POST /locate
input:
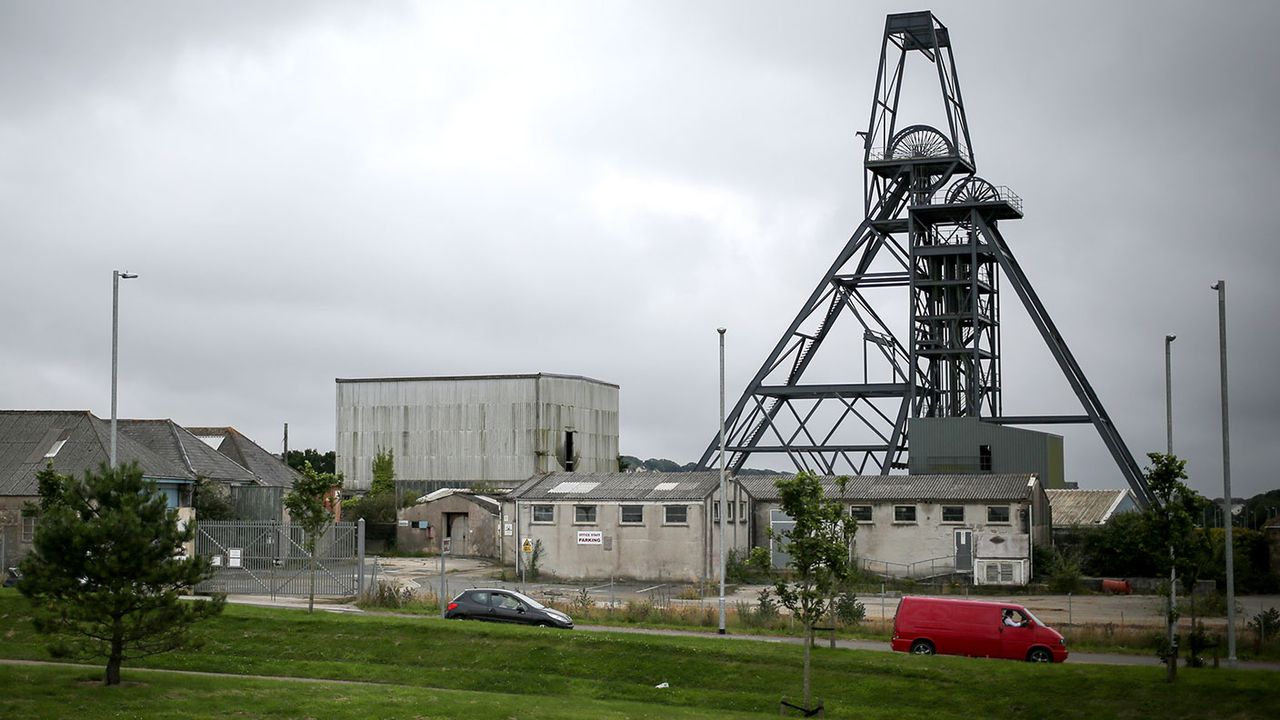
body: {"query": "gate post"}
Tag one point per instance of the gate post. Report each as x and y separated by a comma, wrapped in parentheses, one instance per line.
(360, 558)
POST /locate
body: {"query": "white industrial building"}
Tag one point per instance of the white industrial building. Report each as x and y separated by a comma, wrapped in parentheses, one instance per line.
(463, 430)
(650, 526)
(922, 526)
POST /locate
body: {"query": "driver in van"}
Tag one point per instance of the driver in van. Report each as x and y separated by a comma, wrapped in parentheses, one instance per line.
(1013, 618)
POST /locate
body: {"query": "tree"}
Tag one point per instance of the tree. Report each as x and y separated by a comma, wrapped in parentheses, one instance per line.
(819, 546)
(322, 462)
(107, 568)
(384, 473)
(310, 506)
(1171, 539)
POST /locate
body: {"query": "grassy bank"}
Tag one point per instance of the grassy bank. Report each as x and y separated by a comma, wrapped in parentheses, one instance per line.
(480, 670)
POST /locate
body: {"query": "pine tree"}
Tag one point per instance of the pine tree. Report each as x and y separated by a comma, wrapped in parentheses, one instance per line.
(107, 569)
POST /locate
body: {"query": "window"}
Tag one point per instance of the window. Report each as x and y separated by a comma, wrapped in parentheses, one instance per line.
(715, 511)
(904, 513)
(860, 513)
(742, 511)
(632, 514)
(952, 513)
(505, 602)
(584, 513)
(57, 445)
(729, 505)
(1000, 572)
(998, 513)
(28, 527)
(568, 451)
(675, 514)
(544, 513)
(480, 597)
(984, 458)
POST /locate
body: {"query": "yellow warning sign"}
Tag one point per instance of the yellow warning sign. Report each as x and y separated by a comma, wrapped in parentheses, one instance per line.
(527, 546)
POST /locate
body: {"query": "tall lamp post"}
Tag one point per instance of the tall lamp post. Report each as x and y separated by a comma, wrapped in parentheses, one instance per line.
(724, 504)
(1173, 572)
(116, 277)
(1221, 287)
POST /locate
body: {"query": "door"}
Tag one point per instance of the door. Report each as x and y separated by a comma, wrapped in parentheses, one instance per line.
(456, 530)
(964, 551)
(1017, 634)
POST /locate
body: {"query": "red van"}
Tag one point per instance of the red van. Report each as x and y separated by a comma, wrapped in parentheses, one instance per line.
(926, 625)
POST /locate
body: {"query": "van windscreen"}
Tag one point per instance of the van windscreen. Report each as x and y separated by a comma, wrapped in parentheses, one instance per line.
(1034, 619)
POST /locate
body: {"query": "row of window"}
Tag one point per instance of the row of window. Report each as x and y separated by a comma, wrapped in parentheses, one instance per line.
(950, 513)
(627, 514)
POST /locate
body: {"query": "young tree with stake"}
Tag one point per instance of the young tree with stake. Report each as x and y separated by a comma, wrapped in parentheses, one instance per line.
(819, 546)
(308, 505)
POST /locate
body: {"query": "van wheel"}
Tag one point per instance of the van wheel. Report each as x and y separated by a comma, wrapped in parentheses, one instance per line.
(922, 647)
(1039, 655)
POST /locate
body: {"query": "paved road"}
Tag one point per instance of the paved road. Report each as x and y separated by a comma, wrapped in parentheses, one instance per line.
(1090, 658)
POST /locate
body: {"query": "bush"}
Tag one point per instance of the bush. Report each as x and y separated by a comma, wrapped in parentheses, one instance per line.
(849, 610)
(387, 595)
(1064, 572)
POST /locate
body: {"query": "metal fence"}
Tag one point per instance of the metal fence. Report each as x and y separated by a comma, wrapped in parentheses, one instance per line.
(271, 558)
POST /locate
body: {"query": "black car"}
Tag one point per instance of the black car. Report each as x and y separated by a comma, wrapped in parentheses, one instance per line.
(507, 606)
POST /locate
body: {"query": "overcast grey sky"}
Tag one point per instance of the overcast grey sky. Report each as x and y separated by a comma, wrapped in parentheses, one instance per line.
(321, 190)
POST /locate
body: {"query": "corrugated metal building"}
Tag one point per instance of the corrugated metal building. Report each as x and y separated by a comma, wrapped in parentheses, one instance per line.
(499, 429)
(968, 445)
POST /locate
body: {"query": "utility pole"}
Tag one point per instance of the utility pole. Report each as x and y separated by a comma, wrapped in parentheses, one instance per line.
(724, 498)
(1172, 659)
(1221, 287)
(116, 277)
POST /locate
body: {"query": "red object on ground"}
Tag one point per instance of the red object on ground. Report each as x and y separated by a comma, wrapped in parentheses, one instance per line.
(1118, 587)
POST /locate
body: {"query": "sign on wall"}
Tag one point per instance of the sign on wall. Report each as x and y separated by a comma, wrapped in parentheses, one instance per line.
(590, 537)
(506, 529)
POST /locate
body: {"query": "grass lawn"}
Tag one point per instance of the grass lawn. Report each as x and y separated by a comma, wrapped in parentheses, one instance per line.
(431, 668)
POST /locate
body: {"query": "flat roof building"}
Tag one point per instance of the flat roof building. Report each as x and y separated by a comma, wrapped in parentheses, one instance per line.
(462, 430)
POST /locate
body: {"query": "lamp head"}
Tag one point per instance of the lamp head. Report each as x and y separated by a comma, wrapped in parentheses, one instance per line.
(720, 330)
(1170, 338)
(1216, 286)
(127, 276)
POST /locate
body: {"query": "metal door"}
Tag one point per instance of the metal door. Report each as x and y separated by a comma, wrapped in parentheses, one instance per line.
(964, 550)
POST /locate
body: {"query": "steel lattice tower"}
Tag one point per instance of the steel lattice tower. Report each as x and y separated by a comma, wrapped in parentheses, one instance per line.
(931, 231)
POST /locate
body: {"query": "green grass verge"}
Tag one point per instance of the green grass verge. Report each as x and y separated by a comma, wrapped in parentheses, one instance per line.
(502, 671)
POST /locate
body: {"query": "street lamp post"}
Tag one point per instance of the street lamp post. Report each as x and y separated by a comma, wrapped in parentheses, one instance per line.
(1221, 287)
(724, 507)
(1173, 572)
(116, 277)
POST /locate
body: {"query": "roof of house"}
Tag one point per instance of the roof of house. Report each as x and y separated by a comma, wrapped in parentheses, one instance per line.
(484, 501)
(619, 486)
(1087, 507)
(269, 469)
(75, 442)
(176, 444)
(985, 486)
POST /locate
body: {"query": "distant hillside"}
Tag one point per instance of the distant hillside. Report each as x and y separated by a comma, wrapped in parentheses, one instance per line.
(630, 462)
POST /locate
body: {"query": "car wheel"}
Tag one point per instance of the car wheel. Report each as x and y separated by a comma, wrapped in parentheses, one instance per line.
(1039, 655)
(922, 647)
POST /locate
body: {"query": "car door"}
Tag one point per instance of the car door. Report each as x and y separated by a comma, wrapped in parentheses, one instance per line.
(506, 608)
(1016, 641)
